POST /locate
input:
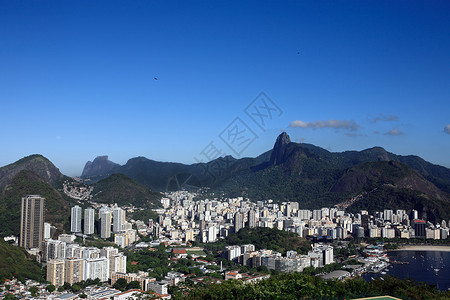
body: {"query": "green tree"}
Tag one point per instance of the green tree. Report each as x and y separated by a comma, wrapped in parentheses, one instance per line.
(75, 287)
(66, 286)
(50, 288)
(121, 284)
(34, 291)
(134, 285)
(9, 297)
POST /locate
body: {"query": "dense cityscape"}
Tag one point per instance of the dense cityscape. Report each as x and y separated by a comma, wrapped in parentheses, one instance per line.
(225, 150)
(183, 221)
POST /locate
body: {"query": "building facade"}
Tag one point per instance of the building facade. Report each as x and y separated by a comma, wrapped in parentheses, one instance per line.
(89, 215)
(32, 222)
(56, 271)
(75, 219)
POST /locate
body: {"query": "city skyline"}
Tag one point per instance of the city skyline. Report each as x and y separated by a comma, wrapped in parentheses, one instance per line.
(163, 80)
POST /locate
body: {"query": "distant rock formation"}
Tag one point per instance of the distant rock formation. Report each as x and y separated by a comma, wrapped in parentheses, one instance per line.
(279, 149)
(100, 166)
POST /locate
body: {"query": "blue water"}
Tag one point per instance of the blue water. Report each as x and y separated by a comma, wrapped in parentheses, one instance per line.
(432, 267)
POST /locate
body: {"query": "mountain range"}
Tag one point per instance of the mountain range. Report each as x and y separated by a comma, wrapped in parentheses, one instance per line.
(372, 179)
(36, 175)
(305, 173)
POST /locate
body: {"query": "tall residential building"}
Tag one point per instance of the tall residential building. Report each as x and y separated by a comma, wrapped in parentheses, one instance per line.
(53, 249)
(117, 263)
(56, 271)
(238, 221)
(419, 228)
(251, 218)
(74, 251)
(32, 222)
(75, 219)
(108, 252)
(317, 214)
(118, 219)
(388, 214)
(105, 222)
(89, 220)
(121, 240)
(96, 268)
(212, 233)
(73, 270)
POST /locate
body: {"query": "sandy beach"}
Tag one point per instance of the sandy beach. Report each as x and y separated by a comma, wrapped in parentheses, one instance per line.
(423, 248)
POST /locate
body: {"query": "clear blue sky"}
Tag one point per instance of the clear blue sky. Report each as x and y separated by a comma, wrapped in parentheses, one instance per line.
(77, 78)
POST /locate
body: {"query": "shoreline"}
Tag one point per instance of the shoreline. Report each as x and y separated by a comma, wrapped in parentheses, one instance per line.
(423, 248)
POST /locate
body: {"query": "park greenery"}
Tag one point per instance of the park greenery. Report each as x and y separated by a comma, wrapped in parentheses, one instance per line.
(155, 261)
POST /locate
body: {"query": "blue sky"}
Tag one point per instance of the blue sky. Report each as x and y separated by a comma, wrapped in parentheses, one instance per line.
(77, 78)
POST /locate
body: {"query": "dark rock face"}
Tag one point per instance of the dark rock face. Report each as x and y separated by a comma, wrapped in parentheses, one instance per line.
(100, 166)
(279, 149)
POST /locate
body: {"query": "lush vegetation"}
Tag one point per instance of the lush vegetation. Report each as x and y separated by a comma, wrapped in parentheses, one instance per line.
(433, 209)
(319, 180)
(144, 215)
(156, 260)
(263, 238)
(122, 285)
(123, 190)
(16, 262)
(307, 286)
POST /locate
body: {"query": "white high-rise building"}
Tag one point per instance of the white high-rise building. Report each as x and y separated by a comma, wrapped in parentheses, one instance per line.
(89, 221)
(47, 228)
(121, 240)
(118, 219)
(75, 219)
(96, 268)
(212, 233)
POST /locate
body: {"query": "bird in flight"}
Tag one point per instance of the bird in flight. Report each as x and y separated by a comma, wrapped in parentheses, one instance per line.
(156, 78)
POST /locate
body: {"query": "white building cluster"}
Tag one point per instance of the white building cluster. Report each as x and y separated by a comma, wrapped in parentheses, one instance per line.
(73, 263)
(246, 255)
(183, 219)
(111, 221)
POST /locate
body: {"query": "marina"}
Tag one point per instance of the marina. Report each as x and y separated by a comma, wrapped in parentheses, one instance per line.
(422, 266)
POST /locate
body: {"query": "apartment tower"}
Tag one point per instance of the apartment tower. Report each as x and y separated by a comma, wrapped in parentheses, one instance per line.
(32, 222)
